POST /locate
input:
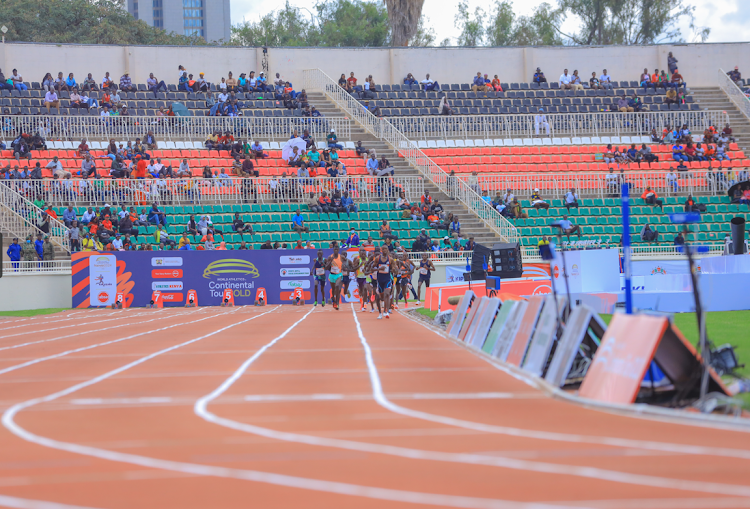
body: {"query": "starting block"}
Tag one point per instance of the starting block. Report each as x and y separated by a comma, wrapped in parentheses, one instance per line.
(227, 299)
(261, 297)
(192, 299)
(156, 300)
(298, 297)
(119, 301)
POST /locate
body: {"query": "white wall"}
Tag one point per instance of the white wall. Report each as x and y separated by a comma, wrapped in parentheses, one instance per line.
(698, 62)
(41, 291)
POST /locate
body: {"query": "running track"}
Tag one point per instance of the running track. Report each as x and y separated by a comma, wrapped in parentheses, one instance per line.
(299, 408)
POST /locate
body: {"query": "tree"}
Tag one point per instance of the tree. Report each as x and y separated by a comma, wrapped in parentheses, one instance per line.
(405, 19)
(472, 29)
(539, 29)
(286, 27)
(424, 36)
(82, 22)
(352, 23)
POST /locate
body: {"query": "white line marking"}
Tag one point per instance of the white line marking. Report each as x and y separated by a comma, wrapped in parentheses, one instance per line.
(77, 324)
(8, 420)
(567, 437)
(119, 401)
(66, 318)
(272, 398)
(25, 503)
(667, 503)
(417, 454)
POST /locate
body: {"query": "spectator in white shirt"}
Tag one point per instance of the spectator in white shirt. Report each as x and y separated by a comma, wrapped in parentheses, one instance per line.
(122, 212)
(57, 168)
(605, 81)
(565, 80)
(541, 120)
(223, 96)
(88, 216)
(184, 169)
(571, 199)
(575, 81)
(17, 80)
(508, 197)
(105, 112)
(51, 101)
(117, 243)
(430, 85)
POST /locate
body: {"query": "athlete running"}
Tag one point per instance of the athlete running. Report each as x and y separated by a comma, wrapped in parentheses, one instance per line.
(403, 280)
(384, 266)
(426, 268)
(335, 265)
(358, 267)
(319, 271)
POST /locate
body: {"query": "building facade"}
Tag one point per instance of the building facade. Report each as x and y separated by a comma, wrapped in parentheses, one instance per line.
(206, 18)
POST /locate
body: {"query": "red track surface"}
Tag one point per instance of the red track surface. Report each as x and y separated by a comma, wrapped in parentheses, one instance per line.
(300, 427)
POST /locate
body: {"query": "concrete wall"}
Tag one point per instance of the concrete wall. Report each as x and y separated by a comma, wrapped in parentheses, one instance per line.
(35, 292)
(698, 62)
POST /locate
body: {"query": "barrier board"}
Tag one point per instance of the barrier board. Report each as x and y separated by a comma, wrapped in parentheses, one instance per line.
(460, 314)
(509, 331)
(484, 322)
(470, 317)
(544, 336)
(517, 350)
(581, 319)
(497, 327)
(481, 306)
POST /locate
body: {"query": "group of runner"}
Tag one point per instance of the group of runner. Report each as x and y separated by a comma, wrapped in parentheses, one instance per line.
(383, 278)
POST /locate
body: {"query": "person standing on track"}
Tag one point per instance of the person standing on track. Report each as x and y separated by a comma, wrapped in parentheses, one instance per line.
(425, 272)
(319, 271)
(384, 266)
(335, 265)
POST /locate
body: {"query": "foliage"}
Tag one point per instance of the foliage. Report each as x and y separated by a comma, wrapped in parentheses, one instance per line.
(472, 28)
(286, 27)
(81, 22)
(424, 35)
(539, 29)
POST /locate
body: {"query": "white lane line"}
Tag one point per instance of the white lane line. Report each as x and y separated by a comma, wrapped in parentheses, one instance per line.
(25, 503)
(8, 420)
(80, 333)
(66, 319)
(667, 503)
(119, 401)
(569, 437)
(476, 459)
(271, 398)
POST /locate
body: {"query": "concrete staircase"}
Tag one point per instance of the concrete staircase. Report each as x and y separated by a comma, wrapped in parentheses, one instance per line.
(713, 98)
(471, 226)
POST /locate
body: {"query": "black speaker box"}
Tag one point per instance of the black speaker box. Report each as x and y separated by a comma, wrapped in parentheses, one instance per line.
(508, 262)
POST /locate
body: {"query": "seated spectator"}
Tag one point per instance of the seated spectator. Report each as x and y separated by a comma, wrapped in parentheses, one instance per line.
(539, 76)
(332, 139)
(496, 84)
(623, 105)
(445, 107)
(565, 80)
(671, 97)
(594, 83)
(256, 150)
(647, 155)
(347, 203)
(126, 85)
(51, 101)
(677, 80)
(651, 198)
(540, 120)
(636, 103)
(736, 76)
(691, 205)
(536, 200)
(409, 80)
(385, 231)
(721, 154)
(646, 80)
(88, 167)
(678, 153)
(727, 133)
(478, 85)
(154, 84)
(516, 210)
(568, 227)
(384, 167)
(107, 83)
(649, 235)
(60, 83)
(606, 80)
(201, 85)
(633, 155)
(571, 199)
(70, 82)
(429, 85)
(575, 81)
(48, 83)
(361, 151)
(157, 216)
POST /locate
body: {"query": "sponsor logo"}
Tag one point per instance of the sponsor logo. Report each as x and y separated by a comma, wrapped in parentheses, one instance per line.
(294, 272)
(291, 285)
(542, 290)
(101, 262)
(659, 270)
(294, 260)
(230, 266)
(169, 261)
(99, 281)
(289, 296)
(172, 297)
(557, 272)
(103, 297)
(166, 273)
(574, 270)
(166, 286)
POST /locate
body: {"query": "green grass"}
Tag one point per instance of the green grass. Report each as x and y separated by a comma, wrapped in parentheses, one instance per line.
(32, 312)
(427, 312)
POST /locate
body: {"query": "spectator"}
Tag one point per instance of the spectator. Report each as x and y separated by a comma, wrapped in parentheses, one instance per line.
(332, 139)
(565, 80)
(51, 101)
(671, 97)
(651, 198)
(48, 83)
(605, 80)
(646, 80)
(69, 215)
(57, 168)
(539, 77)
(649, 235)
(647, 155)
(735, 75)
(201, 85)
(478, 85)
(571, 199)
(157, 216)
(677, 80)
(239, 226)
(372, 165)
(410, 80)
(17, 80)
(445, 107)
(385, 231)
(361, 151)
(678, 153)
(384, 167)
(154, 84)
(107, 83)
(496, 84)
(348, 204)
(298, 223)
(352, 239)
(636, 103)
(568, 227)
(594, 83)
(540, 119)
(429, 85)
(256, 150)
(691, 205)
(671, 63)
(679, 240)
(721, 154)
(516, 210)
(536, 200)
(623, 106)
(88, 167)
(671, 181)
(575, 81)
(126, 85)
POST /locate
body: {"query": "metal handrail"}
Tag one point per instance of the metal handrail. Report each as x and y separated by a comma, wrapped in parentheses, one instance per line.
(21, 217)
(735, 94)
(315, 79)
(36, 268)
(73, 128)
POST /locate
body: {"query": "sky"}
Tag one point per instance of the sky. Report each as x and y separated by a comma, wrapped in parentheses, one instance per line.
(729, 20)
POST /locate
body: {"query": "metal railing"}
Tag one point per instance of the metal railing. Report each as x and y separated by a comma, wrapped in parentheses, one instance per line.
(21, 217)
(561, 124)
(604, 185)
(230, 190)
(735, 94)
(75, 127)
(34, 268)
(315, 79)
(531, 254)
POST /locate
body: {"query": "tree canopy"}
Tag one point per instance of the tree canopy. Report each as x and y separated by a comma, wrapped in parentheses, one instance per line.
(81, 22)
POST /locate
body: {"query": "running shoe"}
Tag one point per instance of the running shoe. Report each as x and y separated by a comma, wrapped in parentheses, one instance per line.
(315, 303)
(406, 304)
(419, 303)
(395, 306)
(372, 310)
(380, 316)
(387, 315)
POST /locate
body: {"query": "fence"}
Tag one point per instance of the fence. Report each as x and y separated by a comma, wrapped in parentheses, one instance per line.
(77, 127)
(567, 124)
(131, 192)
(603, 185)
(735, 94)
(531, 254)
(21, 217)
(315, 79)
(26, 268)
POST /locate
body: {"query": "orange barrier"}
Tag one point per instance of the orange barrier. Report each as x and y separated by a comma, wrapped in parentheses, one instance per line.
(156, 300)
(192, 299)
(227, 297)
(261, 297)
